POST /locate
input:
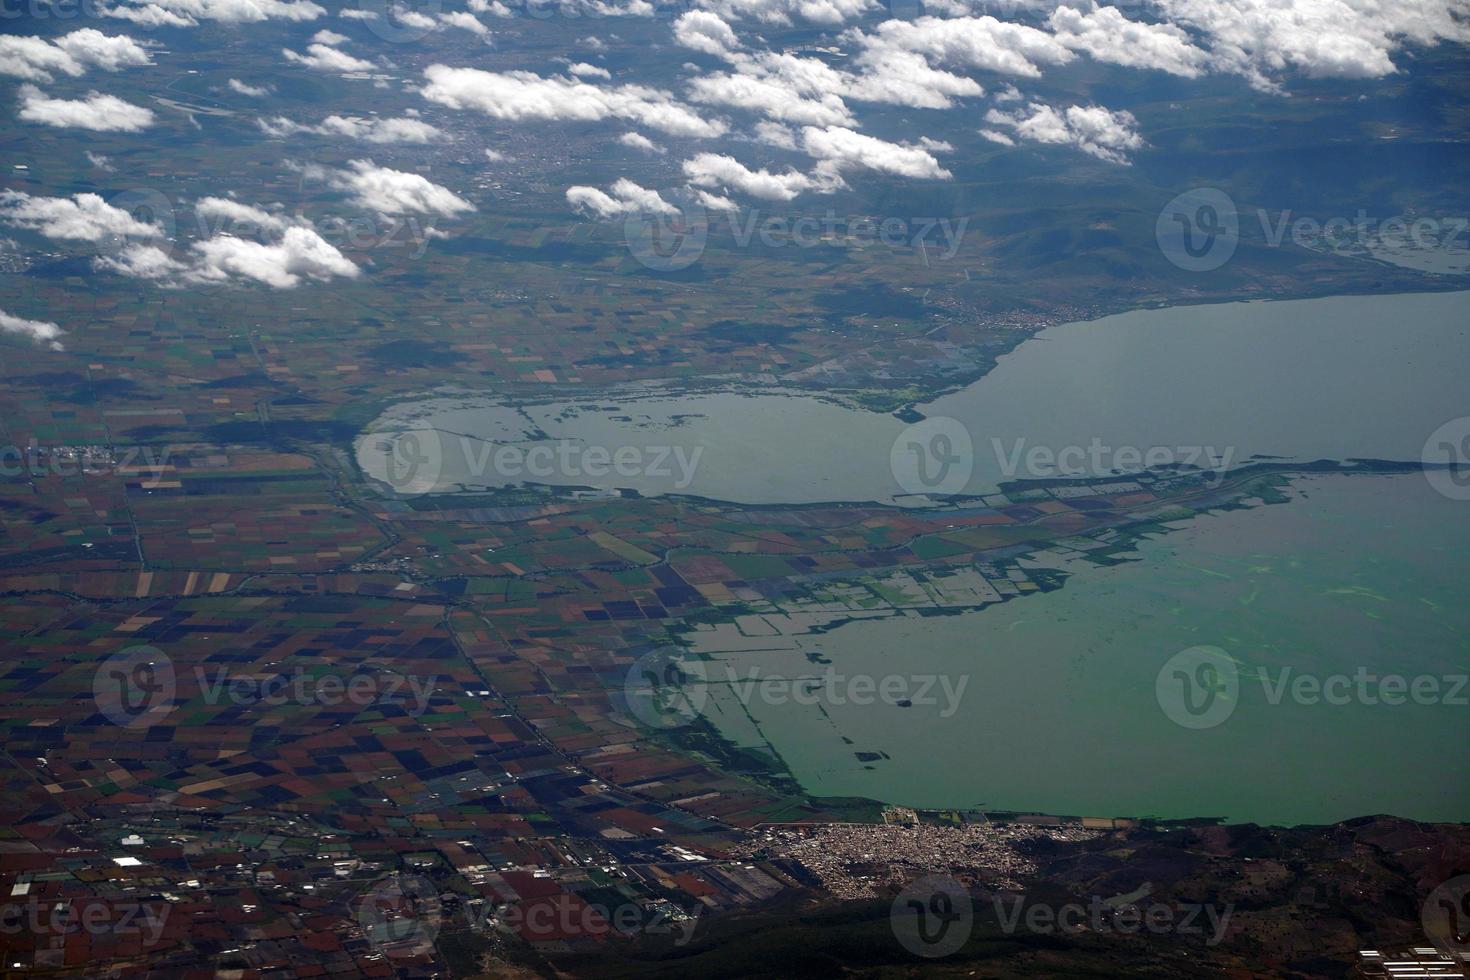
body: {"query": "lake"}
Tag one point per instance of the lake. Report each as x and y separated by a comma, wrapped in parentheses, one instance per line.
(1060, 710)
(1209, 386)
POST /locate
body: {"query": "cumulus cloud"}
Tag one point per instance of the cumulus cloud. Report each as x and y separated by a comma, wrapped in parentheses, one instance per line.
(102, 113)
(523, 95)
(259, 247)
(80, 218)
(300, 253)
(394, 192)
(1341, 38)
(187, 12)
(626, 198)
(150, 15)
(774, 134)
(1107, 35)
(964, 42)
(401, 129)
(837, 149)
(464, 21)
(638, 141)
(41, 331)
(713, 170)
(701, 30)
(101, 162)
(583, 70)
(217, 212)
(825, 12)
(254, 91)
(36, 59)
(324, 57)
(1100, 132)
(802, 91)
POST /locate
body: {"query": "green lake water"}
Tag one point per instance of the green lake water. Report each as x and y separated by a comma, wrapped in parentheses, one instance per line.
(1060, 712)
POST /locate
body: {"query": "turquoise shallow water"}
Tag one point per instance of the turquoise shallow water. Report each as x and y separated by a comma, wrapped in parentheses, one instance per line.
(1060, 713)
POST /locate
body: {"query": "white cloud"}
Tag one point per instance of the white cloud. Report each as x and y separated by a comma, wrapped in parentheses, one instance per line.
(583, 70)
(638, 141)
(626, 198)
(290, 252)
(780, 87)
(964, 42)
(396, 192)
(37, 59)
(322, 57)
(218, 211)
(226, 11)
(714, 202)
(1341, 38)
(1107, 35)
(774, 134)
(300, 252)
(254, 91)
(150, 15)
(102, 113)
(701, 30)
(373, 130)
(996, 136)
(838, 149)
(41, 331)
(522, 95)
(826, 12)
(1100, 132)
(103, 163)
(713, 170)
(495, 156)
(465, 21)
(326, 36)
(80, 218)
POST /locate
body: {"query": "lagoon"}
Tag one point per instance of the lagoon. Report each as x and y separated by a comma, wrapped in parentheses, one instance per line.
(1059, 709)
(1334, 378)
